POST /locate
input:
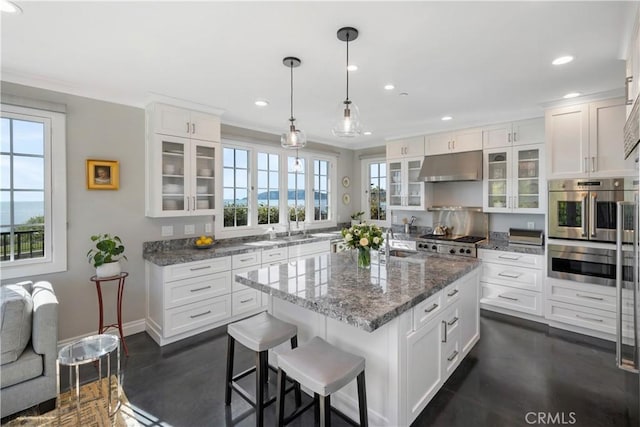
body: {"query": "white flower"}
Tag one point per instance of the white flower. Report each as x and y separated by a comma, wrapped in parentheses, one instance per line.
(364, 242)
(348, 237)
(356, 231)
(376, 240)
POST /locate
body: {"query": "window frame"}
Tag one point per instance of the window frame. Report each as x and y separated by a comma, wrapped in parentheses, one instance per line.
(365, 167)
(55, 195)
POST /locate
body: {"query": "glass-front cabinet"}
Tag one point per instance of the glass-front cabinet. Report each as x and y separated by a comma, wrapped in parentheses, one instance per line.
(514, 179)
(406, 190)
(181, 177)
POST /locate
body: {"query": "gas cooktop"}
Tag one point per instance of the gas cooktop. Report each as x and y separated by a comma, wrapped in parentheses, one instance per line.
(457, 239)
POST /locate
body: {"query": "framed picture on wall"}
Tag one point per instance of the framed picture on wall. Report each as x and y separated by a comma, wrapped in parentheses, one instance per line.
(103, 174)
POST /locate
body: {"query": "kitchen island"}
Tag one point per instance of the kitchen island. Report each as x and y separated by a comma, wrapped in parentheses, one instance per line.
(412, 318)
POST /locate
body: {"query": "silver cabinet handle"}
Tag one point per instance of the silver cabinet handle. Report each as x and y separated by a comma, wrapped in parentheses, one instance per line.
(509, 275)
(509, 137)
(245, 300)
(444, 339)
(201, 314)
(452, 321)
(193, 128)
(583, 214)
(200, 289)
(593, 164)
(592, 213)
(187, 127)
(510, 257)
(452, 293)
(430, 309)
(590, 297)
(275, 254)
(245, 259)
(188, 200)
(514, 137)
(448, 145)
(200, 268)
(194, 203)
(593, 319)
(453, 355)
(509, 298)
(453, 144)
(627, 90)
(621, 361)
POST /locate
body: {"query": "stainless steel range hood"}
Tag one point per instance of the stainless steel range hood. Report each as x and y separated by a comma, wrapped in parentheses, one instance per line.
(465, 166)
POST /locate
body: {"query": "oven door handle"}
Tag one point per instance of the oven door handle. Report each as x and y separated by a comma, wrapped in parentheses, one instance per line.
(623, 363)
(592, 213)
(583, 214)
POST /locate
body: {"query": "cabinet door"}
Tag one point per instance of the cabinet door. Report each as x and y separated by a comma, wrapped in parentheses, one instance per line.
(529, 193)
(606, 140)
(424, 365)
(467, 140)
(415, 186)
(497, 136)
(205, 127)
(172, 120)
(528, 132)
(567, 135)
(497, 180)
(174, 168)
(203, 177)
(469, 313)
(406, 147)
(438, 144)
(395, 183)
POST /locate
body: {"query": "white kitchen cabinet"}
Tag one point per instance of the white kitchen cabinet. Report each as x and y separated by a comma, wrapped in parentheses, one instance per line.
(176, 121)
(523, 132)
(411, 147)
(181, 164)
(470, 314)
(512, 283)
(405, 189)
(514, 179)
(454, 142)
(586, 140)
(632, 76)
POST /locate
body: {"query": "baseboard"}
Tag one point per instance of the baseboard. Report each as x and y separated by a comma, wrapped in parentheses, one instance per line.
(129, 328)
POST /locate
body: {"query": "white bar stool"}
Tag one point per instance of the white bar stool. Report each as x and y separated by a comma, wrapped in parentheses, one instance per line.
(258, 333)
(324, 369)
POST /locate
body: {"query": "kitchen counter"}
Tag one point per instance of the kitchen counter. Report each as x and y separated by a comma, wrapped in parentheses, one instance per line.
(332, 285)
(504, 245)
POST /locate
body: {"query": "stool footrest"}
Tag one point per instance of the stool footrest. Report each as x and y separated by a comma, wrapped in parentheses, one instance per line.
(245, 394)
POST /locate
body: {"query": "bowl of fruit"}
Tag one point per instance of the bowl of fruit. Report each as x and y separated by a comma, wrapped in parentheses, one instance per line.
(204, 242)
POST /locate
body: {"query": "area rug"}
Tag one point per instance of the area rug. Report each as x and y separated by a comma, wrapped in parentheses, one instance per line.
(93, 410)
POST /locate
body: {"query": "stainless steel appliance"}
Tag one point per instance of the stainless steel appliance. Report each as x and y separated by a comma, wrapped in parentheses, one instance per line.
(464, 166)
(590, 265)
(456, 231)
(519, 236)
(632, 129)
(585, 209)
(453, 245)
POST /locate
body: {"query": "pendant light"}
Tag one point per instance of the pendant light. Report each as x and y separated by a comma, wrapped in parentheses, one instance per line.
(348, 125)
(294, 138)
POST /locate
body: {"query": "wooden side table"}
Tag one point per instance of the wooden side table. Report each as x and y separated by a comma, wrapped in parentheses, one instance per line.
(102, 327)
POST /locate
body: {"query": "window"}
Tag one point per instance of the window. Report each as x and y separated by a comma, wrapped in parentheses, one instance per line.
(375, 197)
(296, 188)
(320, 190)
(235, 181)
(268, 166)
(32, 192)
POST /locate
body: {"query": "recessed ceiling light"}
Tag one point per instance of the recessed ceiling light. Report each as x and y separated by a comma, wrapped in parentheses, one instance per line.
(562, 60)
(261, 102)
(404, 94)
(389, 87)
(445, 118)
(366, 132)
(352, 67)
(572, 95)
(9, 7)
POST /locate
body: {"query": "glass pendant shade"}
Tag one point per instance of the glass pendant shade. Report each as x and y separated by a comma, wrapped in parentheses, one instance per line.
(294, 138)
(348, 125)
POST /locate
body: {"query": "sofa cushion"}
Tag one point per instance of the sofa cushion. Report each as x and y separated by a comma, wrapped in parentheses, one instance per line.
(28, 366)
(15, 321)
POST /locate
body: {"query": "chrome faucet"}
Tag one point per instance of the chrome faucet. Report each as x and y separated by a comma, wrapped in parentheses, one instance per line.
(387, 246)
(288, 226)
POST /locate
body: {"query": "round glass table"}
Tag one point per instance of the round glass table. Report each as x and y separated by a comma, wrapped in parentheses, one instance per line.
(91, 349)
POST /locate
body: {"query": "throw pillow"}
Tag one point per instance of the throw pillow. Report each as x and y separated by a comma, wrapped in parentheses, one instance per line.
(15, 321)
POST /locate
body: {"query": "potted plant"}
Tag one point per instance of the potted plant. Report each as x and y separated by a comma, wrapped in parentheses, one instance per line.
(356, 218)
(106, 255)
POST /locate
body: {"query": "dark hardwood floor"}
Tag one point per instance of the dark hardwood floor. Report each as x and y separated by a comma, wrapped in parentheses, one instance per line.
(517, 375)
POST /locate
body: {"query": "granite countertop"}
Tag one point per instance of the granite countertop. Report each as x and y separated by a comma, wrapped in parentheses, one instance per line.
(178, 251)
(332, 285)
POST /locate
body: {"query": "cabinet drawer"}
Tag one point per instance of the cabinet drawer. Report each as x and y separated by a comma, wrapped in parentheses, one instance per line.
(451, 293)
(512, 258)
(192, 316)
(511, 298)
(308, 249)
(192, 290)
(196, 268)
(245, 301)
(245, 260)
(587, 317)
(427, 310)
(272, 255)
(517, 277)
(604, 300)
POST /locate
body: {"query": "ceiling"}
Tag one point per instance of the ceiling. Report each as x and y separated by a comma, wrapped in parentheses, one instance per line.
(480, 62)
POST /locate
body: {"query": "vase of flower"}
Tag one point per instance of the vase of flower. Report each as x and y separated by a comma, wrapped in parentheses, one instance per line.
(364, 238)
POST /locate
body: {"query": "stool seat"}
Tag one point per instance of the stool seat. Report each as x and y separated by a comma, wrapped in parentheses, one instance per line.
(321, 366)
(261, 332)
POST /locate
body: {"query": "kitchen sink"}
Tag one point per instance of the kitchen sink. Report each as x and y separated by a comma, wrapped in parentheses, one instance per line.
(262, 243)
(297, 237)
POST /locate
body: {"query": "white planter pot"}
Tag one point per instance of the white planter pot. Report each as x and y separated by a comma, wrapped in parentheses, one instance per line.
(109, 269)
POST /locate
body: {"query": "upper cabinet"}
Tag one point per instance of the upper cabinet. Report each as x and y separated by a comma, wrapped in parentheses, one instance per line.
(586, 140)
(175, 121)
(632, 76)
(411, 147)
(406, 190)
(523, 132)
(181, 169)
(454, 142)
